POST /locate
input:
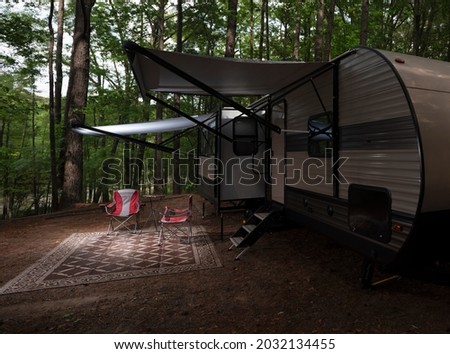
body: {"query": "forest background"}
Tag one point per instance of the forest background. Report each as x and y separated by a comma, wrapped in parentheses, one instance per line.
(77, 44)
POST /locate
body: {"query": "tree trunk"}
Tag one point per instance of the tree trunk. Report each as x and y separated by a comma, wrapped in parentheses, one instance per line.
(330, 27)
(231, 29)
(416, 29)
(51, 114)
(36, 169)
(176, 183)
(4, 173)
(158, 172)
(297, 32)
(176, 173)
(262, 29)
(448, 39)
(58, 90)
(76, 102)
(318, 43)
(364, 22)
(58, 62)
(158, 181)
(252, 29)
(266, 12)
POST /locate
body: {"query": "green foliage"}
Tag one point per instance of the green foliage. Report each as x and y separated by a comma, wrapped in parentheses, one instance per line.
(24, 36)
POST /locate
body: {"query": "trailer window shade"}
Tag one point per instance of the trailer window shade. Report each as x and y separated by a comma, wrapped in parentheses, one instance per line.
(369, 212)
(320, 135)
(245, 136)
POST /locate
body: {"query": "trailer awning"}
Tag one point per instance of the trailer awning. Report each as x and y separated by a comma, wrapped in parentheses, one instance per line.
(228, 76)
(158, 126)
(160, 71)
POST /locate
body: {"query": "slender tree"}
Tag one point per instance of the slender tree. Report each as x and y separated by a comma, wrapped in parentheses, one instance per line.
(58, 109)
(76, 102)
(318, 46)
(231, 28)
(176, 143)
(159, 39)
(252, 29)
(262, 34)
(59, 62)
(330, 28)
(364, 32)
(267, 32)
(297, 32)
(51, 113)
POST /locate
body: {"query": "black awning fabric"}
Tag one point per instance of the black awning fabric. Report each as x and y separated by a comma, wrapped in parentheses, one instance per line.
(229, 76)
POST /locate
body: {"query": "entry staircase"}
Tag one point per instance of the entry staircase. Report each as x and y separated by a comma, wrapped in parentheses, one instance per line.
(253, 228)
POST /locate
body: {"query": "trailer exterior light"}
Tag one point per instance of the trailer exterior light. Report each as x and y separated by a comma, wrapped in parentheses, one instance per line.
(397, 227)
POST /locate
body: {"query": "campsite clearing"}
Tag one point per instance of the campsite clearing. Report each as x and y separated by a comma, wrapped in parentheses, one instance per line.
(291, 281)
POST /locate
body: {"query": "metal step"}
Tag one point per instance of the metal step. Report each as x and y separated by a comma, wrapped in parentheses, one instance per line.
(249, 227)
(261, 216)
(236, 240)
(248, 234)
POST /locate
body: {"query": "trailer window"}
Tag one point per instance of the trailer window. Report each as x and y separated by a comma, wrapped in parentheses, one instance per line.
(245, 136)
(320, 135)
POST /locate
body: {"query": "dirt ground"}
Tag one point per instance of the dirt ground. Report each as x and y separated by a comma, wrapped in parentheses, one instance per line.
(290, 281)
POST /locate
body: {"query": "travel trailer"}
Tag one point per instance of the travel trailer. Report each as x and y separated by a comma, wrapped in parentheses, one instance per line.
(358, 145)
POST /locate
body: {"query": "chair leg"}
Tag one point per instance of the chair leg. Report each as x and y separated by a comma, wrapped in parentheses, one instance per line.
(185, 230)
(136, 223)
(127, 224)
(110, 227)
(161, 234)
(189, 233)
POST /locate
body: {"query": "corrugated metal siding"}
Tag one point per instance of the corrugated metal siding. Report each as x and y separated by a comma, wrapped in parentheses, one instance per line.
(302, 104)
(369, 90)
(395, 133)
(309, 173)
(395, 170)
(378, 135)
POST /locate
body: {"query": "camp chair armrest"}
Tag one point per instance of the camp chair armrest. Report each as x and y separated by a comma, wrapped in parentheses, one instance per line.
(109, 207)
(176, 212)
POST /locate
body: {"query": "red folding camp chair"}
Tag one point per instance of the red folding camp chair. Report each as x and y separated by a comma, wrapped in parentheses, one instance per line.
(124, 210)
(176, 222)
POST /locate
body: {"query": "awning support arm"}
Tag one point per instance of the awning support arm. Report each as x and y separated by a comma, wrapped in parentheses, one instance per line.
(180, 134)
(200, 84)
(192, 119)
(318, 95)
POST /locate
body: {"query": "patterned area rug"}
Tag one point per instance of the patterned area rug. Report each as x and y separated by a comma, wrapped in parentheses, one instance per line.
(86, 258)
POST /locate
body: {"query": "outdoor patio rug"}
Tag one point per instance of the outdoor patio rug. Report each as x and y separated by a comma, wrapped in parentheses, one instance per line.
(86, 258)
